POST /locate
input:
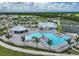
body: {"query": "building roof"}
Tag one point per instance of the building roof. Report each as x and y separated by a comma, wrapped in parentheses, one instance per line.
(18, 28)
(47, 24)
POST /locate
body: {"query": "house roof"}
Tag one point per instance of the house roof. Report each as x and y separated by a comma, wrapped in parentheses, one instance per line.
(18, 28)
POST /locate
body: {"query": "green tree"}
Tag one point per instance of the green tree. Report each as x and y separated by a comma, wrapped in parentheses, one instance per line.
(77, 39)
(49, 42)
(59, 28)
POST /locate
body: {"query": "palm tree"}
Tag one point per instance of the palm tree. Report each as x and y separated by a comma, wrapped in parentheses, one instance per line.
(68, 41)
(36, 41)
(41, 29)
(15, 23)
(23, 40)
(8, 36)
(43, 36)
(50, 28)
(49, 42)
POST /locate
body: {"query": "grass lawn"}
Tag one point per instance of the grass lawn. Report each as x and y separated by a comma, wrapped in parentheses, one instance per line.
(2, 32)
(70, 51)
(8, 52)
(77, 15)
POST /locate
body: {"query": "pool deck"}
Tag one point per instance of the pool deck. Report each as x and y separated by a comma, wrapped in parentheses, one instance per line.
(17, 40)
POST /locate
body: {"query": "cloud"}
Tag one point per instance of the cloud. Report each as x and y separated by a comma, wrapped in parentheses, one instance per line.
(36, 6)
(53, 6)
(60, 6)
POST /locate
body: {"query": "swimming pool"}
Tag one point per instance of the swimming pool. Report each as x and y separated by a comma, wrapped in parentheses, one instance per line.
(52, 36)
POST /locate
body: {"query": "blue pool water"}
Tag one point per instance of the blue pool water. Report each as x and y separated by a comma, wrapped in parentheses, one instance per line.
(56, 39)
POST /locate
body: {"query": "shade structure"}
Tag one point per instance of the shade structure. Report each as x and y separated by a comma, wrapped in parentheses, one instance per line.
(19, 29)
(47, 25)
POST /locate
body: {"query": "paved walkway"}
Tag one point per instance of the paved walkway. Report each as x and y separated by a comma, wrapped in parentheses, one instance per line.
(31, 51)
(75, 49)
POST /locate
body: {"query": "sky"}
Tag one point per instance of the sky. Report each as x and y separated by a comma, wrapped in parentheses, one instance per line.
(39, 7)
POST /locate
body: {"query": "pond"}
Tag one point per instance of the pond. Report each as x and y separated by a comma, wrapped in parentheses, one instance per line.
(67, 28)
